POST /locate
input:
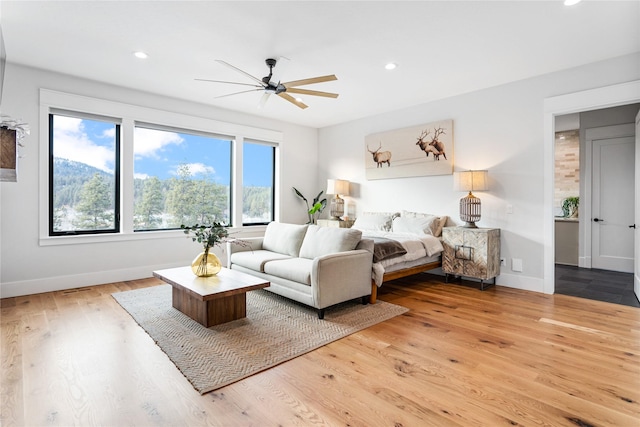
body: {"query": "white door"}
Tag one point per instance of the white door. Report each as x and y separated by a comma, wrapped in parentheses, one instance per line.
(613, 204)
(636, 276)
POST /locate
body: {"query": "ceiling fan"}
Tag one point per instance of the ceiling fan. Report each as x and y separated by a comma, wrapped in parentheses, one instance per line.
(273, 87)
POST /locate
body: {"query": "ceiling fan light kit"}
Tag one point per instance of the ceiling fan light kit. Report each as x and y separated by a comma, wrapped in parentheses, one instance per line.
(270, 87)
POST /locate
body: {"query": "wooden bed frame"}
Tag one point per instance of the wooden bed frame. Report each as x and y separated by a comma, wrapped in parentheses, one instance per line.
(392, 275)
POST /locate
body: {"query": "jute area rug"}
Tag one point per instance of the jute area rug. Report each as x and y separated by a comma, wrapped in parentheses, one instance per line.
(275, 330)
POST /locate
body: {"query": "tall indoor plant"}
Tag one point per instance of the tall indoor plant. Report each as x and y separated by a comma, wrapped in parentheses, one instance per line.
(316, 208)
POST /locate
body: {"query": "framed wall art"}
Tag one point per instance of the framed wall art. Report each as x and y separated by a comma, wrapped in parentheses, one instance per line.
(414, 151)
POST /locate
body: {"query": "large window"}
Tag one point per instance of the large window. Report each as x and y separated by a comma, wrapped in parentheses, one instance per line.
(84, 178)
(124, 172)
(180, 178)
(258, 176)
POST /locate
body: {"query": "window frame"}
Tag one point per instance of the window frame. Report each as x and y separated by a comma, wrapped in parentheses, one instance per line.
(116, 174)
(216, 135)
(274, 147)
(129, 115)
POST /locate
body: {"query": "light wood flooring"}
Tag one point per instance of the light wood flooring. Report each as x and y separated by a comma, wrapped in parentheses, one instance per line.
(459, 357)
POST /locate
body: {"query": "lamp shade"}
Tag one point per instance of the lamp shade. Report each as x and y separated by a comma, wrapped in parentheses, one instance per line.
(338, 186)
(471, 181)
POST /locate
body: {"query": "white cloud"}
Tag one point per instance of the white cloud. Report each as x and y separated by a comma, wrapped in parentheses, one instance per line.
(141, 175)
(72, 142)
(147, 142)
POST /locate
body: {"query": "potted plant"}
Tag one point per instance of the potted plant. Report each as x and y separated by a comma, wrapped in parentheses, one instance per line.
(207, 264)
(316, 208)
(570, 207)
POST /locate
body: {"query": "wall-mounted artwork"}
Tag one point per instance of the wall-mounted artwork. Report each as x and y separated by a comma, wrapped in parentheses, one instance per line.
(414, 151)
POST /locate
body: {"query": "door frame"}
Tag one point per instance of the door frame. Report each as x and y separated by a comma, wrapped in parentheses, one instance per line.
(592, 134)
(593, 99)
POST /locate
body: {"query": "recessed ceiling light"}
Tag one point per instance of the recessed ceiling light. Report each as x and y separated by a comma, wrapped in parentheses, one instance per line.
(141, 55)
(391, 66)
(571, 2)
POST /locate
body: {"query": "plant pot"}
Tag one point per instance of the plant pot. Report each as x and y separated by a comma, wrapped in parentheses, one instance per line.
(206, 264)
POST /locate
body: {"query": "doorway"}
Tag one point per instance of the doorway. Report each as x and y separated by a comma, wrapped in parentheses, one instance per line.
(587, 101)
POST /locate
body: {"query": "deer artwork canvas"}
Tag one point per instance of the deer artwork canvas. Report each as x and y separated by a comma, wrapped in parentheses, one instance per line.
(414, 151)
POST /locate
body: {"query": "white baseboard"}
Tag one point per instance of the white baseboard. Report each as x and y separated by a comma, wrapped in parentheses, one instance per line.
(516, 281)
(59, 283)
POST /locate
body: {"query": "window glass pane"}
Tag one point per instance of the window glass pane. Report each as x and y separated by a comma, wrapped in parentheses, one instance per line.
(84, 171)
(258, 183)
(180, 178)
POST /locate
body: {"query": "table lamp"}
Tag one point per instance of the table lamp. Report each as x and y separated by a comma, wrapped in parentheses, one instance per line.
(470, 205)
(337, 187)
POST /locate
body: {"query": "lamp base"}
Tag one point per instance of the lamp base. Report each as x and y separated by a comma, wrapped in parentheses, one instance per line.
(470, 210)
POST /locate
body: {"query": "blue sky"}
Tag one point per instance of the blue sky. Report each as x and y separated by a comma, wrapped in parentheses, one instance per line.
(159, 153)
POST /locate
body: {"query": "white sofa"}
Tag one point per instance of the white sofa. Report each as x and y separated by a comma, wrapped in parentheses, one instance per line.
(317, 266)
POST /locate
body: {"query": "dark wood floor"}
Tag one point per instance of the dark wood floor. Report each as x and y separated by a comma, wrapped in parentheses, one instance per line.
(594, 284)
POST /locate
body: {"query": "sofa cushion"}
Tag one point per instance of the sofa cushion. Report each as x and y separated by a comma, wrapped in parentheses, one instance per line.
(284, 238)
(325, 240)
(294, 269)
(255, 260)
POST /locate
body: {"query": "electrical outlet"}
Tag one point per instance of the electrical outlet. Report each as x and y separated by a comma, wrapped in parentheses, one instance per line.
(503, 262)
(516, 264)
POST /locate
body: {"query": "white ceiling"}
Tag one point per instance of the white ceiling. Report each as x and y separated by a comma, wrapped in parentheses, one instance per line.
(442, 48)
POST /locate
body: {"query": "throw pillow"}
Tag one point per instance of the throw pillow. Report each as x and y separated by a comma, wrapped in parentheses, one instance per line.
(325, 240)
(284, 238)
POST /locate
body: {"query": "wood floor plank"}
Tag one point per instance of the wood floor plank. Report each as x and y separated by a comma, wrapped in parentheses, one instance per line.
(459, 357)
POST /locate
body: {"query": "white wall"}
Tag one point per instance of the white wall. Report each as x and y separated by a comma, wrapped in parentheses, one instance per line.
(499, 129)
(26, 267)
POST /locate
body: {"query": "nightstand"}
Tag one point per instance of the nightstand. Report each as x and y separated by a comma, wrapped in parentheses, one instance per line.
(335, 223)
(471, 252)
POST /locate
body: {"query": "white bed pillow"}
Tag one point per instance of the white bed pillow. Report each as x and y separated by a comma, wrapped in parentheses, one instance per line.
(375, 221)
(437, 231)
(418, 225)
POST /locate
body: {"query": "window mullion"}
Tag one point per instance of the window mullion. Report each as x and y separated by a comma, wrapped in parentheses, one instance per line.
(236, 181)
(126, 173)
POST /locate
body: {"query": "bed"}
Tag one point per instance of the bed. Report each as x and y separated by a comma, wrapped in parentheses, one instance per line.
(405, 243)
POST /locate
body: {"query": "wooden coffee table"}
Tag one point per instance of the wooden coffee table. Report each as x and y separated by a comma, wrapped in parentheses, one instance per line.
(211, 300)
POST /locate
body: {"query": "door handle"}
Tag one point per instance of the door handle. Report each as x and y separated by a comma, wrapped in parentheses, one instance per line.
(598, 220)
(632, 226)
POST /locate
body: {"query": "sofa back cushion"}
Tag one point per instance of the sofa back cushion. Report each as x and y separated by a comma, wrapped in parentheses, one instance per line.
(326, 240)
(284, 238)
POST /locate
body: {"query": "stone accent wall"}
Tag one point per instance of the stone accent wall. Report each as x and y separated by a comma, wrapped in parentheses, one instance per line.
(567, 160)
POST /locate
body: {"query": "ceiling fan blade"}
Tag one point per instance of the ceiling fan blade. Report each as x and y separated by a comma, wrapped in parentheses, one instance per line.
(241, 72)
(233, 83)
(310, 81)
(237, 93)
(264, 99)
(312, 92)
(292, 100)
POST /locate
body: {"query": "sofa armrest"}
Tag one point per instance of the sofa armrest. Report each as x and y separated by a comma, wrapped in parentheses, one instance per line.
(341, 276)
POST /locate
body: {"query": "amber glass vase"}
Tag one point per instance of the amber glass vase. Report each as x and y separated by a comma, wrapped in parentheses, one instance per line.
(206, 264)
